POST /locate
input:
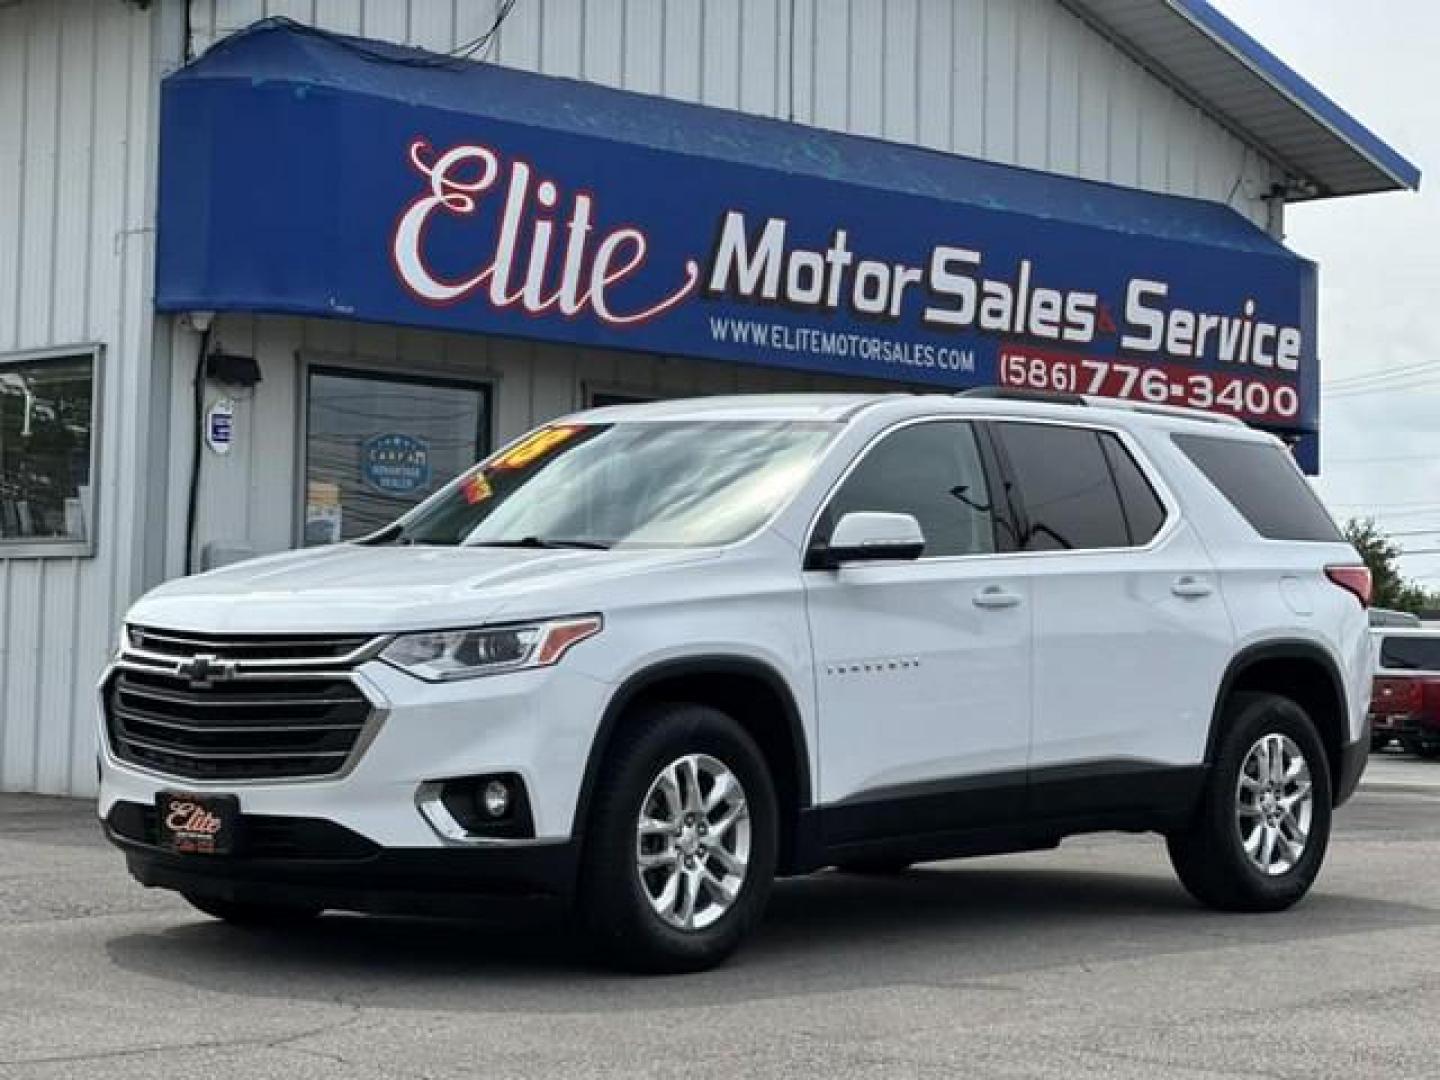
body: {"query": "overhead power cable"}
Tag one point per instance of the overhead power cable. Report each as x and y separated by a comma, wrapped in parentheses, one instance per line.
(1417, 381)
(1388, 373)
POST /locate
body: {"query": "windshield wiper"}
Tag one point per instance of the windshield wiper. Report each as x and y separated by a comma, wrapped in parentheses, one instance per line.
(542, 542)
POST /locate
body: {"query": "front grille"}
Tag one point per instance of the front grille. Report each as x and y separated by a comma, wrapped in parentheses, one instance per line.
(171, 644)
(250, 712)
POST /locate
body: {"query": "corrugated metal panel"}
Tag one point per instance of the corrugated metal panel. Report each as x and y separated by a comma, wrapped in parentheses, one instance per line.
(77, 89)
(1192, 45)
(1017, 81)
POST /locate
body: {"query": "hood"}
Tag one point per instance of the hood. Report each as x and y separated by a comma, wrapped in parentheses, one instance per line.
(348, 588)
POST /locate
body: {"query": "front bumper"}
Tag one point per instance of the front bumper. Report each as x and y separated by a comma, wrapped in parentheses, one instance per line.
(538, 725)
(312, 862)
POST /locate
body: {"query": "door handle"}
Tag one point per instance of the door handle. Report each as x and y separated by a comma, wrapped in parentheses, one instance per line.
(993, 598)
(1190, 587)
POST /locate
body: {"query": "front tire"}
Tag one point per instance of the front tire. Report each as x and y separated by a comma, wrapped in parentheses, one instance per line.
(1263, 825)
(253, 916)
(681, 844)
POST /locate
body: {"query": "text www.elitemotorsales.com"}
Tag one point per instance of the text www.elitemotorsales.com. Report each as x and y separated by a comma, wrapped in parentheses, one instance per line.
(838, 343)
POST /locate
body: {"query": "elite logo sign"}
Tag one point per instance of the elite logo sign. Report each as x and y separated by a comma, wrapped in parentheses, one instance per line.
(551, 255)
(527, 268)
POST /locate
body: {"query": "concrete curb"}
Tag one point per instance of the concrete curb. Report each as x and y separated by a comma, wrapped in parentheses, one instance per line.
(1399, 787)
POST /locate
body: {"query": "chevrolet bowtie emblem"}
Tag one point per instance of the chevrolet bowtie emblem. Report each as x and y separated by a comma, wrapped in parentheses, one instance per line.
(205, 669)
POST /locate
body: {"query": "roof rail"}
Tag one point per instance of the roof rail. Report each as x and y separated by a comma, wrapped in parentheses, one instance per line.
(1180, 412)
(1056, 397)
(1015, 393)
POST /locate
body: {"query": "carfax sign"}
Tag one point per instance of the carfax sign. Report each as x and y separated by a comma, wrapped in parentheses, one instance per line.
(379, 193)
(395, 463)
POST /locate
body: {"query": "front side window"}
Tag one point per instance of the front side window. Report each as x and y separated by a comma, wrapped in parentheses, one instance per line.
(47, 431)
(1067, 487)
(933, 472)
(633, 484)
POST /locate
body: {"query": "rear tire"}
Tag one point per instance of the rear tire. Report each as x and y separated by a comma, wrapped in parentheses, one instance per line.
(1241, 853)
(680, 848)
(255, 916)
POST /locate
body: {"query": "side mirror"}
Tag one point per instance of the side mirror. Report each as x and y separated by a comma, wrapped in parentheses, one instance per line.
(870, 536)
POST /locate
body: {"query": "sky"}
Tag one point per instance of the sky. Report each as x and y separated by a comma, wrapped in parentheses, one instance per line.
(1379, 259)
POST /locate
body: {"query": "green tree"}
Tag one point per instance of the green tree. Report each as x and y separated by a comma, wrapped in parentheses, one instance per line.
(1381, 555)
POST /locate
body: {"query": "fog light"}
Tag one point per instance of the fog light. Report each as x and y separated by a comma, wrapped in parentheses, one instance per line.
(494, 806)
(497, 798)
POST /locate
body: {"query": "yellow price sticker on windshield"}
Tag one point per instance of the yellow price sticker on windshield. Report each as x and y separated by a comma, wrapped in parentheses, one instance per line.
(534, 447)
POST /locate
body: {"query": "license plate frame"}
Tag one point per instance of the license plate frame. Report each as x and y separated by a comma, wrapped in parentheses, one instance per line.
(191, 823)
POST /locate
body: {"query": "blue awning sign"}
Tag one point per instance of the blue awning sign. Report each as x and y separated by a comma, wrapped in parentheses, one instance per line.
(470, 198)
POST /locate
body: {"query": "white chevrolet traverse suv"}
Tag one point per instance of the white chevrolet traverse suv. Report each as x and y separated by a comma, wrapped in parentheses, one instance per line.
(649, 657)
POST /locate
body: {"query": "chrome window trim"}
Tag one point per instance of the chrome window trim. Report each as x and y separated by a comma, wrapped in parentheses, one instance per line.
(1162, 490)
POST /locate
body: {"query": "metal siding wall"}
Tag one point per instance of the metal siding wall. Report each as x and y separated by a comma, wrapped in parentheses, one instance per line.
(1018, 81)
(77, 83)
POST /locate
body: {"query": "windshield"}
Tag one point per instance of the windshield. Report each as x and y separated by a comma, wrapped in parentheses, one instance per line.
(663, 484)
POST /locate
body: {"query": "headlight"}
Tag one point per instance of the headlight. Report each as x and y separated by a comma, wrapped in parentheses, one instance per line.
(443, 655)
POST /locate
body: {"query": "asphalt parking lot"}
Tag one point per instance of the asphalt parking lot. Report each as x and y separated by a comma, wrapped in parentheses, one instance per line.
(1088, 961)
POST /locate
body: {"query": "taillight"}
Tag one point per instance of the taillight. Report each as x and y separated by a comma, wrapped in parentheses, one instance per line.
(1353, 579)
(1399, 695)
(1430, 701)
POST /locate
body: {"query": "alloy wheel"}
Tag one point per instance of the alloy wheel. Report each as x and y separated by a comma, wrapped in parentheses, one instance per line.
(1274, 803)
(692, 841)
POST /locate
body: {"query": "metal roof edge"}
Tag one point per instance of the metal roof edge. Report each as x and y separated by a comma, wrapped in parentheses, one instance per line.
(1301, 93)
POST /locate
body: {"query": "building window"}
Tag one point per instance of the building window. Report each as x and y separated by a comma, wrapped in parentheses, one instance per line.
(600, 399)
(47, 453)
(376, 445)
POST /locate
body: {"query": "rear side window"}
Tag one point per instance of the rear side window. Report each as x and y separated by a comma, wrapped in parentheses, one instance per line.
(1261, 481)
(1410, 653)
(1065, 483)
(1144, 512)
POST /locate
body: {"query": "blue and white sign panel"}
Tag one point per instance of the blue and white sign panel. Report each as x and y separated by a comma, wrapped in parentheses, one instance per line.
(298, 176)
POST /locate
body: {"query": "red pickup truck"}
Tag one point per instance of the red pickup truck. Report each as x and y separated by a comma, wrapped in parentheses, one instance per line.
(1405, 702)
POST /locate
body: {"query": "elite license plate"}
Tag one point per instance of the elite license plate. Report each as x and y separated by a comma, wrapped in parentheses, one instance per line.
(197, 824)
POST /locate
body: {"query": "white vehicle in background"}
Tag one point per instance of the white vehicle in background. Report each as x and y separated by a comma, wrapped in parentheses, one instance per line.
(650, 657)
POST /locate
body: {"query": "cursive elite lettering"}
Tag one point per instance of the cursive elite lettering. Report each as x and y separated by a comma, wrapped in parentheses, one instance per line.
(187, 817)
(532, 266)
